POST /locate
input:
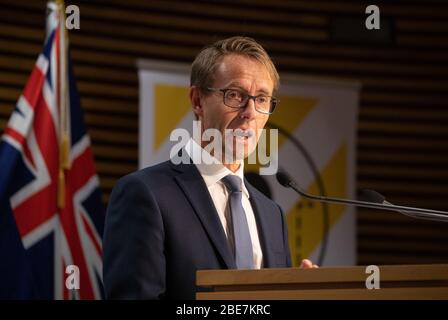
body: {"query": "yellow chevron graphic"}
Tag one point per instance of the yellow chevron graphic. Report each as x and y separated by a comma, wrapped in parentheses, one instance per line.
(289, 114)
(305, 217)
(171, 105)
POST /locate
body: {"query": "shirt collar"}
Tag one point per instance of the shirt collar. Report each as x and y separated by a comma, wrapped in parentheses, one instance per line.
(211, 171)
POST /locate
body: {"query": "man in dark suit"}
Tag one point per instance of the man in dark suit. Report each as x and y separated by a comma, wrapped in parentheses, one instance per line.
(167, 221)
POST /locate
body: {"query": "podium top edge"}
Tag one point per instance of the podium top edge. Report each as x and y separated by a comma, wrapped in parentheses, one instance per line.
(427, 272)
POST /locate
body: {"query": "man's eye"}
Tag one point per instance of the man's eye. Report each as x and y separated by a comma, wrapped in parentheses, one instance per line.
(262, 99)
(233, 94)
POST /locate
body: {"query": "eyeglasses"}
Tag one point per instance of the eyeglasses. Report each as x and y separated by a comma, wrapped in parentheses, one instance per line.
(238, 99)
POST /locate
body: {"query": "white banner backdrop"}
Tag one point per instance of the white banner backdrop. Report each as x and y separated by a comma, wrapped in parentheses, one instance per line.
(317, 120)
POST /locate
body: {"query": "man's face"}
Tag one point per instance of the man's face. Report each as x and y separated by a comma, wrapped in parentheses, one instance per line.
(247, 75)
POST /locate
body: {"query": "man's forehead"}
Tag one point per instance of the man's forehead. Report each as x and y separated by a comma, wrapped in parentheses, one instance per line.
(240, 71)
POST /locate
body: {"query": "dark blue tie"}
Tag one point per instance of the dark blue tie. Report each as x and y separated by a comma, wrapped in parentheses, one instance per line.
(241, 235)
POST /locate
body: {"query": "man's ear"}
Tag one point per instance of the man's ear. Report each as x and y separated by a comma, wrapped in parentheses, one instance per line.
(195, 100)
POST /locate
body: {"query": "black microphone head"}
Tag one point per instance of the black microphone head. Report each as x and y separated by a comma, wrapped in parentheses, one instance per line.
(371, 196)
(283, 178)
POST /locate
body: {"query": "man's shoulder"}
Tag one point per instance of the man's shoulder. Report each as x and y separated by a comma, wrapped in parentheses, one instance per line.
(149, 175)
(161, 169)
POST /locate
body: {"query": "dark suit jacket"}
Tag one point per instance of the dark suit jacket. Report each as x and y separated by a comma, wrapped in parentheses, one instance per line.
(162, 226)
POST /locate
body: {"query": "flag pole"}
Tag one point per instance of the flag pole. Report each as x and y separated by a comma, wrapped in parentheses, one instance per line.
(64, 141)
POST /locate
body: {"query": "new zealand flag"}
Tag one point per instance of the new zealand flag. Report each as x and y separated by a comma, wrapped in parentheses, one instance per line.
(51, 215)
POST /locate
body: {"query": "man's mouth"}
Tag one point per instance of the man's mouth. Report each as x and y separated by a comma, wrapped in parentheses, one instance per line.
(241, 134)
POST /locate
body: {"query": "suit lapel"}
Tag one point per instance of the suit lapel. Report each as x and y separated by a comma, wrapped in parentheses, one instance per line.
(264, 220)
(196, 191)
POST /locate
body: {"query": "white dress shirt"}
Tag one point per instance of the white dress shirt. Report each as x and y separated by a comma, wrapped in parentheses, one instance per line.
(212, 173)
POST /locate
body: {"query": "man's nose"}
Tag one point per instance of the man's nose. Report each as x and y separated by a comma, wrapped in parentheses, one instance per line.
(249, 112)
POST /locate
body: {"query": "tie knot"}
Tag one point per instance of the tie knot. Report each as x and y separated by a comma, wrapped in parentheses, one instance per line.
(232, 182)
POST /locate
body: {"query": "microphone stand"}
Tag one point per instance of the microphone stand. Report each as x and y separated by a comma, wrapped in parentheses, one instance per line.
(418, 213)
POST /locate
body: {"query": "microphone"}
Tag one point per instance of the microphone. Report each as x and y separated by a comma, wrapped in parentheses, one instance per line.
(372, 199)
(427, 214)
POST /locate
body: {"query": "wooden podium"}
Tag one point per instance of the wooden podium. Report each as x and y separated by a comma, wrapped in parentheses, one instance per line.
(401, 282)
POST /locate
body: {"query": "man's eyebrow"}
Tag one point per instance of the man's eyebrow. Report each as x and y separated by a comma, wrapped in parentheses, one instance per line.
(240, 86)
(235, 85)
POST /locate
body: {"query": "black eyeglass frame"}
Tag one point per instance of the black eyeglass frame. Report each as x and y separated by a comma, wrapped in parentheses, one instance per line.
(273, 103)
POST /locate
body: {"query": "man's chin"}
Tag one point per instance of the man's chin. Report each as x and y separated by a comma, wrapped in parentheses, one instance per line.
(237, 149)
(233, 155)
(236, 156)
